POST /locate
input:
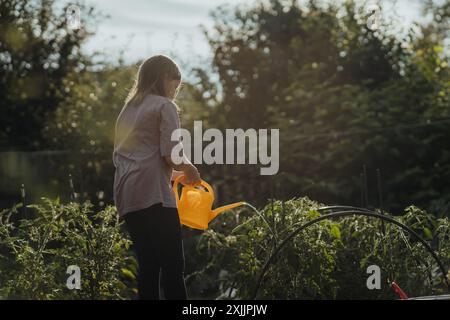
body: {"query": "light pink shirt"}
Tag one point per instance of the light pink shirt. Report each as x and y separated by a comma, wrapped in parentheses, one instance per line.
(142, 139)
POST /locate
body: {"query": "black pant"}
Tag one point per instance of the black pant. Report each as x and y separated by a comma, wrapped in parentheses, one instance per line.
(156, 234)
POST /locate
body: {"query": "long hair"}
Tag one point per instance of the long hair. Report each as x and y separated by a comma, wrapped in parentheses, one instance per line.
(150, 78)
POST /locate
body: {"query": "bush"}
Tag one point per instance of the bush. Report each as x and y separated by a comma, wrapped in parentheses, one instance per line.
(35, 253)
(328, 260)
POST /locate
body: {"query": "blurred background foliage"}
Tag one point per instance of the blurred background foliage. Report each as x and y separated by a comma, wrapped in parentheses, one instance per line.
(343, 96)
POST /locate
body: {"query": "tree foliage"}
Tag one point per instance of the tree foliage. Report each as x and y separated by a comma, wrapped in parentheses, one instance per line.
(342, 95)
(37, 52)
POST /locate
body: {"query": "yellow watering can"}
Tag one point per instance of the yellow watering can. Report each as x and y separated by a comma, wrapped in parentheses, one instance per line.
(195, 204)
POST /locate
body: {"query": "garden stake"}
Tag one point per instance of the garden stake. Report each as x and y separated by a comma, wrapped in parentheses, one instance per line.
(361, 176)
(380, 199)
(380, 195)
(366, 190)
(22, 193)
(72, 190)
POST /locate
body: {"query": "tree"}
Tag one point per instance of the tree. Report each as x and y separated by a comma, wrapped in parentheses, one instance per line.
(343, 95)
(37, 52)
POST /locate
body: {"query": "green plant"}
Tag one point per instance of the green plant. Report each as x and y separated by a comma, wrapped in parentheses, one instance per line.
(329, 259)
(35, 253)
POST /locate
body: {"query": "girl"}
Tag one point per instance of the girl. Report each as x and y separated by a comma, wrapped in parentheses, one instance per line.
(142, 190)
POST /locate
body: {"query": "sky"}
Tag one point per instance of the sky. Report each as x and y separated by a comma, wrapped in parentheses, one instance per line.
(142, 28)
(147, 27)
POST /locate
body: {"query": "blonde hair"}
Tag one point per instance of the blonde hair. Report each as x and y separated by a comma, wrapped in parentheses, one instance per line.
(150, 78)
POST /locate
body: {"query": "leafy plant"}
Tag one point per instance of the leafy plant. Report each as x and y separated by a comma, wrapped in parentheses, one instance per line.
(328, 260)
(36, 253)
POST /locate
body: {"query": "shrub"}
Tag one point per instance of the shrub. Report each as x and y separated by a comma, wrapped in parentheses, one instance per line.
(35, 253)
(328, 260)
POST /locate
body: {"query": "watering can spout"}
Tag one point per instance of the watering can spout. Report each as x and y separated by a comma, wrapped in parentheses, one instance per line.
(217, 211)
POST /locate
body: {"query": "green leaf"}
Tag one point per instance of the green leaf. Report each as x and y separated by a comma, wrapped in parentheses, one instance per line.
(312, 214)
(126, 272)
(428, 233)
(335, 231)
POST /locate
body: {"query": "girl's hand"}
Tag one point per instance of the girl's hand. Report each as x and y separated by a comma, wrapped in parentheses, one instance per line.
(176, 174)
(191, 175)
(190, 172)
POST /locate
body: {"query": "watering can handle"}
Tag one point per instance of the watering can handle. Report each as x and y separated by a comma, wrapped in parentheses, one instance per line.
(208, 187)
